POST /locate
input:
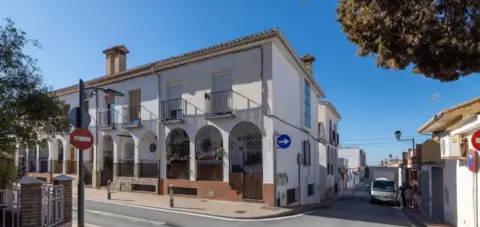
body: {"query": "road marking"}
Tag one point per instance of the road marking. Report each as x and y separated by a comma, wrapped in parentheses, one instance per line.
(124, 217)
(204, 215)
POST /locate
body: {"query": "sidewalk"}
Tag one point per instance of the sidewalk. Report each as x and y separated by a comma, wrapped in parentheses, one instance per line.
(218, 208)
(419, 219)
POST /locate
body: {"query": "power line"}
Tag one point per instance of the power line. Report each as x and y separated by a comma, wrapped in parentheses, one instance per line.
(384, 138)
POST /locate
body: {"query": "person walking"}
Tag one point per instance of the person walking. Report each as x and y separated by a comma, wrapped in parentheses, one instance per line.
(409, 196)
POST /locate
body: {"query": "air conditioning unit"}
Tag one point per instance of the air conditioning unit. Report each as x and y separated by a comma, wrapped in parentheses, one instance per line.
(451, 147)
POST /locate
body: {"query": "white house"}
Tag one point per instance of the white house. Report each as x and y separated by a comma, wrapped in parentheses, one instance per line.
(207, 122)
(453, 129)
(356, 164)
(328, 119)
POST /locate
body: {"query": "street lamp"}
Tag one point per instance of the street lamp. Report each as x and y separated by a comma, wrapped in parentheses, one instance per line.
(398, 135)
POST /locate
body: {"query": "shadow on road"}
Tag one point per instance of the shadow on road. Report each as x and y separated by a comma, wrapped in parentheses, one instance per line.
(355, 206)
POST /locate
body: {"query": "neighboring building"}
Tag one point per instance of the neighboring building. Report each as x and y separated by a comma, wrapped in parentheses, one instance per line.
(343, 174)
(452, 129)
(356, 164)
(205, 122)
(328, 118)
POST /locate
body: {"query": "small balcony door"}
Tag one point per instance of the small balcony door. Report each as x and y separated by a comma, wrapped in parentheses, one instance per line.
(135, 97)
(174, 110)
(221, 97)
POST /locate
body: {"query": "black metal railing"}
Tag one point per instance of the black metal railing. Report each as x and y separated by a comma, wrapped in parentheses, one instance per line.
(107, 118)
(43, 165)
(178, 169)
(132, 115)
(32, 165)
(219, 102)
(173, 110)
(126, 168)
(210, 170)
(58, 166)
(148, 168)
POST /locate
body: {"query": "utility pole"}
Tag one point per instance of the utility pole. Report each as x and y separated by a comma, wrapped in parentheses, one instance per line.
(80, 188)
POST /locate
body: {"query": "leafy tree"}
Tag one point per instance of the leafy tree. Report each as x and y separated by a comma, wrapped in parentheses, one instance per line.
(29, 112)
(439, 38)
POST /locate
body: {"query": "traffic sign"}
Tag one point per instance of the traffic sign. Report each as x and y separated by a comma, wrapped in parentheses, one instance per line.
(476, 140)
(73, 114)
(283, 141)
(81, 138)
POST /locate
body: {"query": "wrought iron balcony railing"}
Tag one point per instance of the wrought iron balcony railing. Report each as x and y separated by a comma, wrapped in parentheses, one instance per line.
(135, 115)
(219, 103)
(108, 118)
(173, 110)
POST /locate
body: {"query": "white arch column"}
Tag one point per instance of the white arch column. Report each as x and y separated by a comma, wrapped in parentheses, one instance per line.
(37, 149)
(226, 157)
(193, 161)
(136, 159)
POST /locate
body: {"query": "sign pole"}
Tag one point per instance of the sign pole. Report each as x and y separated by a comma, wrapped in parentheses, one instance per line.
(80, 189)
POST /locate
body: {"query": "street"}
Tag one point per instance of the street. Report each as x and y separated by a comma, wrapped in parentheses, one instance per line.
(353, 209)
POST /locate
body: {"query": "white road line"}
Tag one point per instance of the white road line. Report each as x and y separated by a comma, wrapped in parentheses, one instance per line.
(204, 215)
(124, 217)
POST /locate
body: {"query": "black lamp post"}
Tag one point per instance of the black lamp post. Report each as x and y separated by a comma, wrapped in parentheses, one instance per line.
(398, 135)
(83, 96)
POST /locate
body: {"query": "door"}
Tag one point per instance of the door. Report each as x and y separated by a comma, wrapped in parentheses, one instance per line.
(221, 98)
(246, 170)
(437, 193)
(174, 105)
(107, 172)
(425, 191)
(135, 97)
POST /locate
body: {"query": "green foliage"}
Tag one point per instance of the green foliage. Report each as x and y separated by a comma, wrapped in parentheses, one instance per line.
(8, 171)
(29, 111)
(439, 38)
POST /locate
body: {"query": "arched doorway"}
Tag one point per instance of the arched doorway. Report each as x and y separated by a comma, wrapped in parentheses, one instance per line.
(43, 156)
(246, 169)
(58, 164)
(209, 154)
(178, 154)
(107, 171)
(148, 156)
(126, 157)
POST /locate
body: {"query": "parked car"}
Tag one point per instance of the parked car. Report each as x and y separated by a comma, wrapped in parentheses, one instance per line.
(383, 190)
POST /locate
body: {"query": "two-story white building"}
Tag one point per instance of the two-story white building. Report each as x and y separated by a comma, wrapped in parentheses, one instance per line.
(328, 119)
(205, 122)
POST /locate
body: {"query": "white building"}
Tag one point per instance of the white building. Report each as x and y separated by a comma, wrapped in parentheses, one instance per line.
(328, 118)
(458, 199)
(207, 122)
(356, 164)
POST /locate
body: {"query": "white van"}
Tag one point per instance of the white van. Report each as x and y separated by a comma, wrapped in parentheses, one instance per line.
(383, 190)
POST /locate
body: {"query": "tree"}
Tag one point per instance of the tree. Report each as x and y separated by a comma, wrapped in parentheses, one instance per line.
(439, 38)
(29, 111)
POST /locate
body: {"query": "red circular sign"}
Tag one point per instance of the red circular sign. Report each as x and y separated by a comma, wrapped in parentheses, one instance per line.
(476, 140)
(81, 138)
(472, 159)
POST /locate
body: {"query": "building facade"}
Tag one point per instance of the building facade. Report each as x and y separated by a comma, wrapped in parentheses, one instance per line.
(356, 164)
(207, 123)
(452, 129)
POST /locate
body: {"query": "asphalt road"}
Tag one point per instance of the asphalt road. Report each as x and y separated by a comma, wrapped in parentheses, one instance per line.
(351, 210)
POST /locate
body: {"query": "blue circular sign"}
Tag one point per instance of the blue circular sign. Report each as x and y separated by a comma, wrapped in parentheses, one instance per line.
(283, 141)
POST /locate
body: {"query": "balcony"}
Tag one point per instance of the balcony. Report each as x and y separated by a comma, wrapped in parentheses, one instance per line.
(135, 115)
(107, 118)
(173, 110)
(219, 104)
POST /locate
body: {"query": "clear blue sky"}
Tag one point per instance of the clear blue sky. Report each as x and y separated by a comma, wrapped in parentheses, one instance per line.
(373, 102)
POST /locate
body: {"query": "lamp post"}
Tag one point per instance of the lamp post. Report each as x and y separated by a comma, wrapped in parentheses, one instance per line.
(82, 97)
(398, 135)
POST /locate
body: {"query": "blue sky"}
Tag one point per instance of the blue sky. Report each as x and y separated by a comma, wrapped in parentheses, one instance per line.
(373, 102)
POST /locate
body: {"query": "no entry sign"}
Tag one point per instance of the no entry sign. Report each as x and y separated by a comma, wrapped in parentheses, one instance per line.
(81, 139)
(476, 140)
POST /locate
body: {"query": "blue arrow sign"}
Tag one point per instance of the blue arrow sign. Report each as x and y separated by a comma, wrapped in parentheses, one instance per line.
(283, 141)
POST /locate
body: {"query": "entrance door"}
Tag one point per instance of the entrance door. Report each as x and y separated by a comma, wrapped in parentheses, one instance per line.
(246, 170)
(107, 172)
(437, 193)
